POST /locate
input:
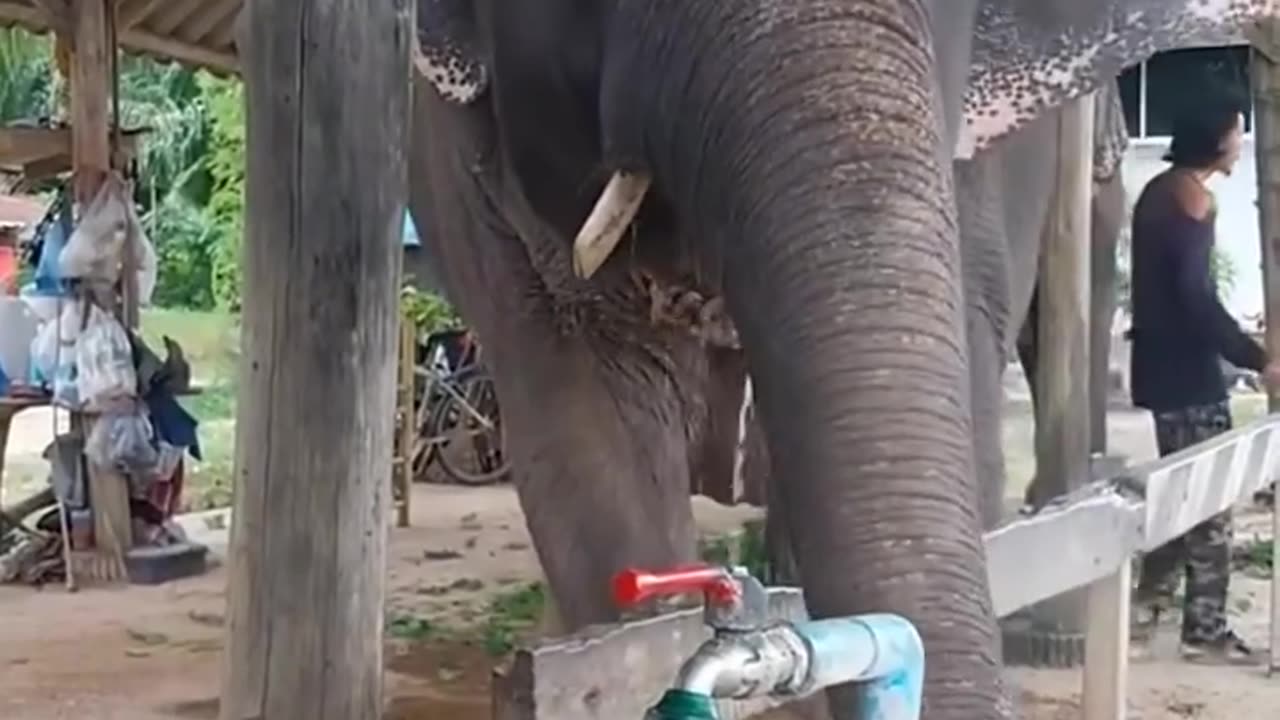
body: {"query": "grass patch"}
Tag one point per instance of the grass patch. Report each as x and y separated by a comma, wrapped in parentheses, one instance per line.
(410, 627)
(509, 618)
(211, 344)
(1255, 556)
(512, 614)
(210, 340)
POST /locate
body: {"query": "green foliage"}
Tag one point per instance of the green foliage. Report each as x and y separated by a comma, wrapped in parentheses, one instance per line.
(26, 75)
(746, 548)
(226, 162)
(429, 311)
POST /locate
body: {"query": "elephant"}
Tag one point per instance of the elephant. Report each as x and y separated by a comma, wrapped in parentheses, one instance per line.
(1003, 196)
(615, 188)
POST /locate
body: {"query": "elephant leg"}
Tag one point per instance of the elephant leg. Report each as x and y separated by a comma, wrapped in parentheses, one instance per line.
(713, 461)
(600, 456)
(985, 274)
(598, 425)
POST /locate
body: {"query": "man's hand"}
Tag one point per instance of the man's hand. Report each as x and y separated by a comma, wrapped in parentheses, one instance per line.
(1271, 376)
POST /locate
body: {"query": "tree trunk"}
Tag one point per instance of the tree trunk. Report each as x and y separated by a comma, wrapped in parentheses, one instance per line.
(325, 197)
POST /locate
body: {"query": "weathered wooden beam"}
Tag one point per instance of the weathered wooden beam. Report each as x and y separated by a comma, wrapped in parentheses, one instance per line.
(1062, 421)
(90, 97)
(215, 55)
(1264, 70)
(1062, 436)
(1092, 535)
(224, 35)
(91, 56)
(314, 432)
(57, 13)
(201, 23)
(407, 429)
(210, 57)
(130, 12)
(165, 19)
(1183, 489)
(19, 145)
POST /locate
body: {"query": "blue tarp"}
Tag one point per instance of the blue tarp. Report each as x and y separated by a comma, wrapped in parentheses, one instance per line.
(410, 238)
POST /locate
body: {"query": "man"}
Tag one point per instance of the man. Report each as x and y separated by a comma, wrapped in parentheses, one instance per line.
(1180, 331)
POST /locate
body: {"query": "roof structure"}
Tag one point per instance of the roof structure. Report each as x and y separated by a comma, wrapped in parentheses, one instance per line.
(199, 33)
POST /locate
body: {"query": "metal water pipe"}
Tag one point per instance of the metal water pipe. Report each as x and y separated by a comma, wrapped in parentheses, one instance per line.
(751, 655)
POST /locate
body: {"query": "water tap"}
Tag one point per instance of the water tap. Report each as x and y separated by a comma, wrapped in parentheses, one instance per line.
(748, 655)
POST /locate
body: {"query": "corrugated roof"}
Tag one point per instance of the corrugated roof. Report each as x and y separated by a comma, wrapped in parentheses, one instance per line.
(199, 33)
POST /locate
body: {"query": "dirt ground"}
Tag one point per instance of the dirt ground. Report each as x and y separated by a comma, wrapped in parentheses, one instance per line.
(150, 653)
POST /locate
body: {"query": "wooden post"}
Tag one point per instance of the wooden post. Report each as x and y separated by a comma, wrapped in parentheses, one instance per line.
(1265, 74)
(1106, 648)
(90, 96)
(1062, 368)
(325, 202)
(90, 90)
(402, 470)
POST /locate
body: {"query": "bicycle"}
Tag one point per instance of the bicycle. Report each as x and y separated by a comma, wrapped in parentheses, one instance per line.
(458, 418)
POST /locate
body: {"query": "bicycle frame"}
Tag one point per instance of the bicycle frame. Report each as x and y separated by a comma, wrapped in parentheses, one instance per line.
(445, 381)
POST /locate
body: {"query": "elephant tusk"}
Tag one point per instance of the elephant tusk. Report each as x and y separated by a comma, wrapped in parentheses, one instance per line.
(614, 211)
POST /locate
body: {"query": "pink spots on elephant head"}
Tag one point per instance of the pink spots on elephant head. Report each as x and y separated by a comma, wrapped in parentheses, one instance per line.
(456, 77)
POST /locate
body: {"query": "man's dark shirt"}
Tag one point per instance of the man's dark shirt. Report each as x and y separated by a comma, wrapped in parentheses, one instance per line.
(1180, 328)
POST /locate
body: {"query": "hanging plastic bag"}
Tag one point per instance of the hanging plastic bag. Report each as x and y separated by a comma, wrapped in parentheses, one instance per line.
(53, 356)
(108, 228)
(104, 362)
(93, 252)
(144, 258)
(121, 438)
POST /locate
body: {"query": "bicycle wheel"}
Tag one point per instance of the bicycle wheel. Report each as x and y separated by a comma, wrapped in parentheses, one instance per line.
(473, 449)
(426, 447)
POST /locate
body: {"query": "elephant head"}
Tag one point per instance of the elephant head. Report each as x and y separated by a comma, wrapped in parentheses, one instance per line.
(583, 162)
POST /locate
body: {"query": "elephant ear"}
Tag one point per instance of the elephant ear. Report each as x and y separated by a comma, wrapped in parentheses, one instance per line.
(1033, 55)
(448, 53)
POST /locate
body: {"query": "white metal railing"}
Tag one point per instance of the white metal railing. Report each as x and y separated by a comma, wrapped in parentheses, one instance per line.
(1085, 540)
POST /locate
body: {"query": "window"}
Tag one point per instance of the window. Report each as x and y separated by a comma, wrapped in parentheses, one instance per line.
(1153, 91)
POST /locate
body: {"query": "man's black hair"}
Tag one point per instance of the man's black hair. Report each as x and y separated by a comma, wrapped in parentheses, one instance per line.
(1199, 129)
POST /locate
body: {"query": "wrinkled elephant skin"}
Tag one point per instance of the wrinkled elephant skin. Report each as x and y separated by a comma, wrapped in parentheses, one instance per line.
(797, 161)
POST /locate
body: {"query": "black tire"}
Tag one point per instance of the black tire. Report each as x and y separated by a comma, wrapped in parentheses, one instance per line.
(486, 448)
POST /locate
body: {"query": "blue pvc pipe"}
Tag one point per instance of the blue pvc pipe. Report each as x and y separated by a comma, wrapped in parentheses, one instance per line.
(883, 653)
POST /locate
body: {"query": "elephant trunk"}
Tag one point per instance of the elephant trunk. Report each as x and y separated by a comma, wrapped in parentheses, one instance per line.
(804, 143)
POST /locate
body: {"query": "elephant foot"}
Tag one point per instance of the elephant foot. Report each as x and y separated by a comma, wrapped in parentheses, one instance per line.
(1025, 644)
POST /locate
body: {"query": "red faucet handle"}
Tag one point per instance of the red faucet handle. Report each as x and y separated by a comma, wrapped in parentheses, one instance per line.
(633, 586)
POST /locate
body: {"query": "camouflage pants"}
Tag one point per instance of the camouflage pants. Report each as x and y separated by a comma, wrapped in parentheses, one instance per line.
(1205, 552)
